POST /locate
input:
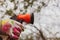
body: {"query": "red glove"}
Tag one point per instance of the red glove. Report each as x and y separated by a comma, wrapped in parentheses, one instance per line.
(12, 28)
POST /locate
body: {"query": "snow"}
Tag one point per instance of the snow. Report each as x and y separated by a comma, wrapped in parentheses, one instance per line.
(50, 17)
(47, 19)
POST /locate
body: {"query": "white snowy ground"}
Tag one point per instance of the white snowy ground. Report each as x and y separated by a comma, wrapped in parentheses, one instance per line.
(47, 19)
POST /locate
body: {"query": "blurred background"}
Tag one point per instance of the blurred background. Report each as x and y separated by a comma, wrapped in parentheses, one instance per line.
(46, 17)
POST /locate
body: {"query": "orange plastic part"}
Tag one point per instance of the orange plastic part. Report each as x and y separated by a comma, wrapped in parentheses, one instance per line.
(26, 17)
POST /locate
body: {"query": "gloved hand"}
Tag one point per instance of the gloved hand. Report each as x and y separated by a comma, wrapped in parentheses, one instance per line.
(12, 28)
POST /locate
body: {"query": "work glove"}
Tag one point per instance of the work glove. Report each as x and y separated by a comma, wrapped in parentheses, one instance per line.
(11, 28)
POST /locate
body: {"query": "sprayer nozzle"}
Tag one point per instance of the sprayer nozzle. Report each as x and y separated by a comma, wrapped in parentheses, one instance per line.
(28, 18)
(32, 18)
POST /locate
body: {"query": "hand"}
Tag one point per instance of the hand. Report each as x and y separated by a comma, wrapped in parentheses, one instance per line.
(17, 30)
(12, 28)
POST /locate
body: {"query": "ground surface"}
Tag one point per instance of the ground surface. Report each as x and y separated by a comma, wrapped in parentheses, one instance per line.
(46, 14)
